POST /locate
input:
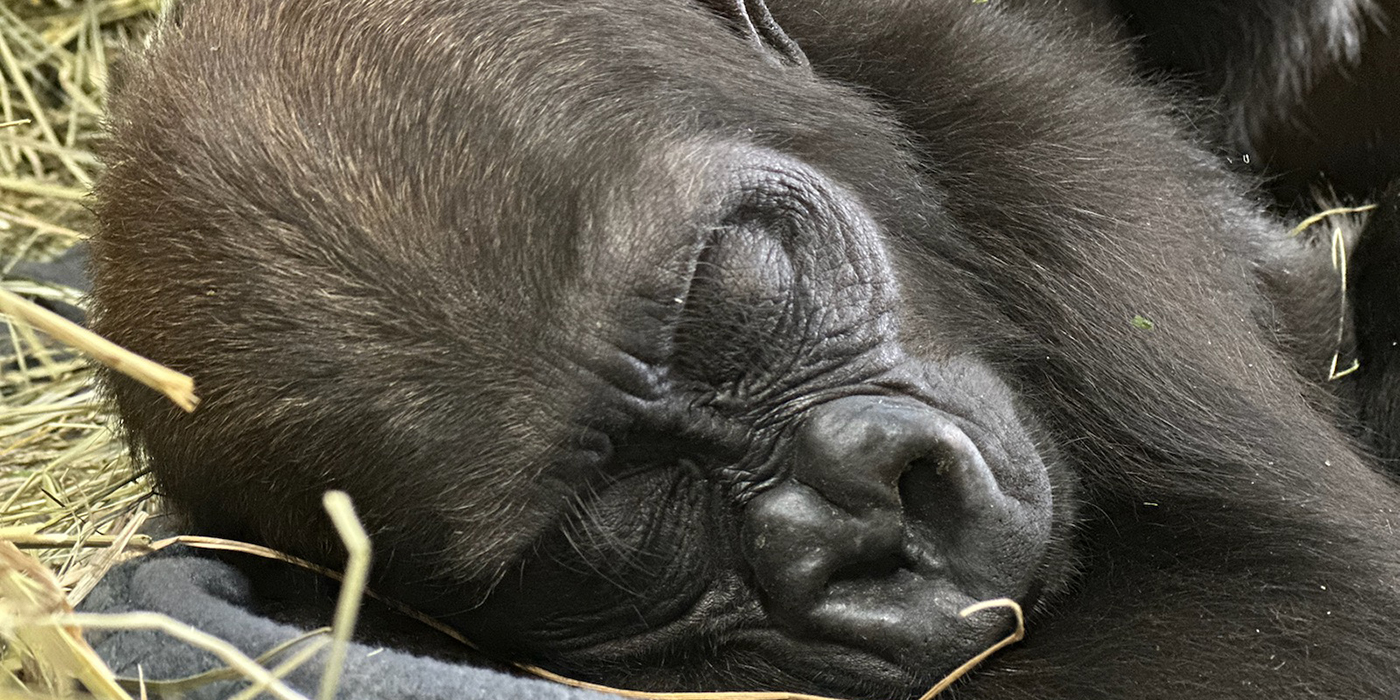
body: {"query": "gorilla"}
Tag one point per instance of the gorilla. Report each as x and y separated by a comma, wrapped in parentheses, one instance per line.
(723, 345)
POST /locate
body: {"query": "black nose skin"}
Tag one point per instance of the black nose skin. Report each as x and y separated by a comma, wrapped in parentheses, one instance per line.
(889, 522)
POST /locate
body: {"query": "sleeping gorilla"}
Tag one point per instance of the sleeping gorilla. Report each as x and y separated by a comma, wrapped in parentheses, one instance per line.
(665, 350)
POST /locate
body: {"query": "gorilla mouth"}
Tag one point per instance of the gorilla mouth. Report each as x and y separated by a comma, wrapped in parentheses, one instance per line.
(910, 625)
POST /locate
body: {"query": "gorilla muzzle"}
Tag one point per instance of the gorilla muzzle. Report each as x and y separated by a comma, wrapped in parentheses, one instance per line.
(889, 522)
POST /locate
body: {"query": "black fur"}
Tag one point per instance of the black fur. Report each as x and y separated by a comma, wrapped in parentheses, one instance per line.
(1303, 92)
(1261, 56)
(666, 354)
(1375, 293)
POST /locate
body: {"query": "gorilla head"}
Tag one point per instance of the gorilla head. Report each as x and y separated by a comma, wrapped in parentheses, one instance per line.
(656, 355)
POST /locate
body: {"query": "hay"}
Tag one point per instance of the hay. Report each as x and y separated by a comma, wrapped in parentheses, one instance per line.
(62, 471)
(1342, 220)
(66, 482)
(177, 387)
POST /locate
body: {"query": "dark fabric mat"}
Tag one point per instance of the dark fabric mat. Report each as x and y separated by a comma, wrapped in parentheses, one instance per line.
(214, 596)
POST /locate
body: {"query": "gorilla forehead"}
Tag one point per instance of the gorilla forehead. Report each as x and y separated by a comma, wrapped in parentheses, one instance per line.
(510, 179)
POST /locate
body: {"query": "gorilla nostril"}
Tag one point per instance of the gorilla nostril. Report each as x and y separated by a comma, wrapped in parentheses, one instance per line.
(939, 489)
(855, 450)
(921, 480)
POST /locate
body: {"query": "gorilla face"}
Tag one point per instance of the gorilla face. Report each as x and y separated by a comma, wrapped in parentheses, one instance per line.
(757, 461)
(658, 357)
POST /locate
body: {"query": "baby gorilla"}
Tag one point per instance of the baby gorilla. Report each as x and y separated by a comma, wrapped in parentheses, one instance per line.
(664, 348)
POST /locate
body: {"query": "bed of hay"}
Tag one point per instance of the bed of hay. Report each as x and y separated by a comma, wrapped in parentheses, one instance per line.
(67, 485)
(72, 502)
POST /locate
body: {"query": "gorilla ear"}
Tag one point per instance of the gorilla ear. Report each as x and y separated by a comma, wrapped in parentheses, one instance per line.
(752, 20)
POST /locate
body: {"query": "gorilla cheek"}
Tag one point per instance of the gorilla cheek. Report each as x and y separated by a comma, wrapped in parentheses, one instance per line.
(890, 521)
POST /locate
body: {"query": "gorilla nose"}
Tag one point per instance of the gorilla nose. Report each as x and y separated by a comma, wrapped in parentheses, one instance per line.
(882, 527)
(841, 506)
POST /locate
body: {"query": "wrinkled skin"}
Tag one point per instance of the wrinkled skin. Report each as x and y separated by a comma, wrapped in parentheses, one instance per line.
(683, 346)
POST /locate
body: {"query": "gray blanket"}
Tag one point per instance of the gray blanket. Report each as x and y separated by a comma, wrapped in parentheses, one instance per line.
(220, 599)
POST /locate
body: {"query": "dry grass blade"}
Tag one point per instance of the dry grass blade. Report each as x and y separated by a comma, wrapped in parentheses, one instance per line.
(52, 656)
(1343, 219)
(223, 545)
(226, 652)
(33, 540)
(282, 669)
(181, 686)
(104, 563)
(40, 189)
(352, 589)
(177, 387)
(1340, 258)
(1321, 216)
(41, 226)
(1016, 635)
(7, 694)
